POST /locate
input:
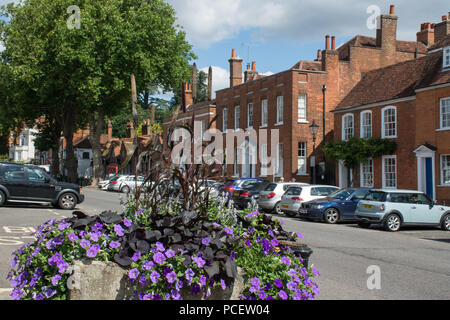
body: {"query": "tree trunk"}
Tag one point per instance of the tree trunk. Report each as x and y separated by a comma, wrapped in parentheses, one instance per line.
(96, 122)
(69, 126)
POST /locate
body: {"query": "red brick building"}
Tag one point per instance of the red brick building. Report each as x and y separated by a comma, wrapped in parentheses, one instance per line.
(292, 99)
(408, 102)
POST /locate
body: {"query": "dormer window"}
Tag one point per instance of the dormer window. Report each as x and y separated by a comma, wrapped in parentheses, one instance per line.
(446, 58)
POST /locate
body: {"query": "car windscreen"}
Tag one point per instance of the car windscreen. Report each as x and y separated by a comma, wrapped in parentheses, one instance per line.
(293, 191)
(341, 194)
(379, 196)
(271, 187)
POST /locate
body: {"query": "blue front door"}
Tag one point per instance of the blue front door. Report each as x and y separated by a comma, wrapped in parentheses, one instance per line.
(429, 177)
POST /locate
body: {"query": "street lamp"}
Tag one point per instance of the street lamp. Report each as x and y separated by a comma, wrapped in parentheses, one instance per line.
(314, 128)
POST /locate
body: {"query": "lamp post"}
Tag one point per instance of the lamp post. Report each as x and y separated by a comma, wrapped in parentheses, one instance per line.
(314, 128)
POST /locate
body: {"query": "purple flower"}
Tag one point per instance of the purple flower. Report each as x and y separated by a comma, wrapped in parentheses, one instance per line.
(205, 241)
(175, 295)
(63, 226)
(94, 236)
(92, 252)
(228, 231)
(148, 265)
(56, 258)
(278, 283)
(179, 285)
(50, 293)
(62, 266)
(139, 212)
(203, 280)
(143, 280)
(189, 274)
(262, 295)
(286, 261)
(55, 279)
(274, 242)
(98, 226)
(299, 235)
(223, 284)
(73, 237)
(291, 285)
(199, 261)
(16, 294)
(255, 282)
(283, 295)
(154, 276)
(114, 244)
(249, 244)
(85, 244)
(50, 245)
(303, 272)
(316, 272)
(196, 289)
(118, 230)
(133, 274)
(136, 256)
(171, 277)
(170, 253)
(159, 258)
(160, 246)
(233, 255)
(126, 223)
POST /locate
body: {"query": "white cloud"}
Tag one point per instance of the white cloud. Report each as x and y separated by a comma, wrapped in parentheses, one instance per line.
(210, 21)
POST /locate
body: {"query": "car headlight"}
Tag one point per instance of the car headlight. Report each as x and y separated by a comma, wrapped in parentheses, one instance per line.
(317, 206)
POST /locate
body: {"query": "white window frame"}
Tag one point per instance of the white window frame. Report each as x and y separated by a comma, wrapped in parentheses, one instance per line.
(280, 107)
(250, 115)
(441, 118)
(383, 122)
(345, 129)
(364, 173)
(442, 168)
(237, 117)
(264, 113)
(302, 155)
(446, 57)
(225, 119)
(302, 108)
(383, 166)
(363, 125)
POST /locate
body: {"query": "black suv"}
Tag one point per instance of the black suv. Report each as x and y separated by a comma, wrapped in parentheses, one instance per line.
(22, 183)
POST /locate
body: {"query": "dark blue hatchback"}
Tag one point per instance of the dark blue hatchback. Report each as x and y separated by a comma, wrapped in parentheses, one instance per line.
(338, 206)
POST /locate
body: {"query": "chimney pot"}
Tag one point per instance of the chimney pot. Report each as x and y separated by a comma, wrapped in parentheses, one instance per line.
(333, 43)
(319, 54)
(444, 18)
(248, 66)
(327, 42)
(392, 9)
(254, 66)
(233, 53)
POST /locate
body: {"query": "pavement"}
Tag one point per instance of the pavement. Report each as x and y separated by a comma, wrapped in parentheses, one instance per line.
(354, 263)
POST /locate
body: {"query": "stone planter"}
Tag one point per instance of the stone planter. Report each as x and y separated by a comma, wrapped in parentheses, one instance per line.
(96, 280)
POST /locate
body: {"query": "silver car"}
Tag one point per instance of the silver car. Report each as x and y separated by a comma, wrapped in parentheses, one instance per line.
(295, 196)
(270, 197)
(125, 184)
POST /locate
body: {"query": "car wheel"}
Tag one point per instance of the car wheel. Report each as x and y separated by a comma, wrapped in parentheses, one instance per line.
(2, 198)
(125, 189)
(277, 209)
(364, 224)
(446, 223)
(331, 216)
(393, 223)
(67, 201)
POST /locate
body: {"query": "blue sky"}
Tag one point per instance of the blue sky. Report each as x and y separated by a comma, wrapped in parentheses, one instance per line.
(279, 33)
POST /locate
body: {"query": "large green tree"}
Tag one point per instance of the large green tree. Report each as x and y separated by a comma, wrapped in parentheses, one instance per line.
(78, 60)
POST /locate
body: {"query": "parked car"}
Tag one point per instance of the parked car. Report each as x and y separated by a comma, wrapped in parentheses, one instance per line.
(104, 183)
(397, 208)
(338, 206)
(125, 184)
(295, 196)
(21, 183)
(270, 198)
(236, 184)
(251, 192)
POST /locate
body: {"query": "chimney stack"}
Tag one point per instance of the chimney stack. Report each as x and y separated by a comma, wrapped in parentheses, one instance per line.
(253, 66)
(319, 55)
(210, 83)
(333, 43)
(442, 29)
(387, 32)
(194, 82)
(426, 34)
(235, 69)
(130, 130)
(186, 95)
(327, 42)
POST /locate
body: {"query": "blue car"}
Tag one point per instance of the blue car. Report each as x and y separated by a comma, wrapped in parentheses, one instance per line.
(338, 206)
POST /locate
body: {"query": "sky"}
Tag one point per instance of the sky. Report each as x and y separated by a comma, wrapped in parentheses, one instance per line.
(276, 34)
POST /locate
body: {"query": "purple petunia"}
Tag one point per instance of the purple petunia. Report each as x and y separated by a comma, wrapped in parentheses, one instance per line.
(118, 230)
(154, 276)
(199, 261)
(159, 258)
(189, 274)
(126, 223)
(55, 279)
(160, 247)
(255, 282)
(62, 266)
(92, 252)
(223, 284)
(170, 253)
(85, 244)
(274, 242)
(148, 265)
(73, 237)
(291, 285)
(114, 244)
(136, 257)
(171, 277)
(205, 241)
(228, 231)
(283, 295)
(133, 274)
(63, 226)
(286, 261)
(262, 295)
(203, 280)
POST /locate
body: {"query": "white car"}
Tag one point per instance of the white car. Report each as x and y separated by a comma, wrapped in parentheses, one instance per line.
(270, 198)
(104, 183)
(295, 196)
(125, 184)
